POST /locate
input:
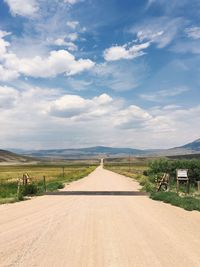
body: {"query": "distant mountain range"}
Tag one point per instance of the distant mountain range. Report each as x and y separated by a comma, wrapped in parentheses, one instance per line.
(102, 151)
(193, 147)
(89, 152)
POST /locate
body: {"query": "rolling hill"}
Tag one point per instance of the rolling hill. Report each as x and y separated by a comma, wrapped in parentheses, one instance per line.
(10, 157)
(190, 148)
(194, 146)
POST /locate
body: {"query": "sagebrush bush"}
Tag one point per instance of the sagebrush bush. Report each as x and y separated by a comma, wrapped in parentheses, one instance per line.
(29, 189)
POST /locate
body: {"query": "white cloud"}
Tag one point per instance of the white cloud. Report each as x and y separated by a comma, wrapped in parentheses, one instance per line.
(8, 74)
(72, 36)
(78, 85)
(162, 31)
(61, 42)
(57, 62)
(8, 97)
(125, 52)
(149, 35)
(68, 106)
(4, 33)
(193, 32)
(74, 106)
(23, 8)
(73, 24)
(49, 118)
(163, 94)
(132, 117)
(72, 2)
(3, 44)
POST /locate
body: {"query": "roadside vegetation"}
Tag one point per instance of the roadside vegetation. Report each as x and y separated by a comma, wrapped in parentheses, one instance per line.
(149, 170)
(56, 176)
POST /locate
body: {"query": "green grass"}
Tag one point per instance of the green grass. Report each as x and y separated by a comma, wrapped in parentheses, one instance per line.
(185, 202)
(55, 178)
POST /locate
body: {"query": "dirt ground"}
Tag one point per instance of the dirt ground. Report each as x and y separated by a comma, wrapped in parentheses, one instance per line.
(98, 221)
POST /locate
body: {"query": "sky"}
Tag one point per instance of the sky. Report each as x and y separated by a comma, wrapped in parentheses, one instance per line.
(79, 73)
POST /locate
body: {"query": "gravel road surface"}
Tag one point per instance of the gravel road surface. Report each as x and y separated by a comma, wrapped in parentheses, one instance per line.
(99, 221)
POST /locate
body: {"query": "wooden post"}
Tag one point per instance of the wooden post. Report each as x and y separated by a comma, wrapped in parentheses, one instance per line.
(177, 186)
(44, 180)
(63, 171)
(177, 182)
(198, 184)
(129, 159)
(188, 186)
(18, 188)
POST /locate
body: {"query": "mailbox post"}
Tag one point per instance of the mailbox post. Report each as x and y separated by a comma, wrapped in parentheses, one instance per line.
(182, 175)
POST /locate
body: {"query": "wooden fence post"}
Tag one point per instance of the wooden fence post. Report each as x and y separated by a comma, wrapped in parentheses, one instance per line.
(18, 188)
(177, 186)
(188, 186)
(44, 180)
(63, 168)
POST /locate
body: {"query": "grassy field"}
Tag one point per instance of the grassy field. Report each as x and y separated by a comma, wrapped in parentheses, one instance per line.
(133, 167)
(137, 168)
(56, 174)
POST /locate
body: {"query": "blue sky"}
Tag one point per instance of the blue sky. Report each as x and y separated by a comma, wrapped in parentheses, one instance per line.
(77, 73)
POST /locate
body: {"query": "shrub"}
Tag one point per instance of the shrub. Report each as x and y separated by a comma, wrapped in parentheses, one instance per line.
(157, 167)
(145, 173)
(54, 185)
(29, 189)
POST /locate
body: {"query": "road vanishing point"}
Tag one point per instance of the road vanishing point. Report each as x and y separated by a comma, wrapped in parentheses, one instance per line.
(102, 220)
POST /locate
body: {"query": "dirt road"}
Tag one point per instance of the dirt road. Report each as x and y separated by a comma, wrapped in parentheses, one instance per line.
(98, 229)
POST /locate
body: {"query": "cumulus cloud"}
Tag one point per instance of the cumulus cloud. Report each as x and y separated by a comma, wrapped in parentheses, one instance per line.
(23, 8)
(125, 52)
(57, 62)
(46, 108)
(132, 117)
(70, 106)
